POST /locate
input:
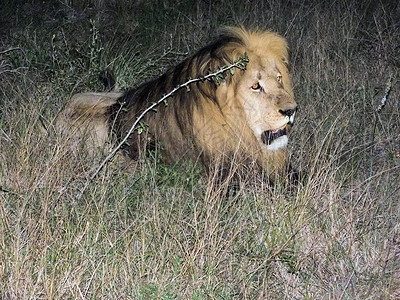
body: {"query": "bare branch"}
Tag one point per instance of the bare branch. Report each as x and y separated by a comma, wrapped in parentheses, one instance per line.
(386, 95)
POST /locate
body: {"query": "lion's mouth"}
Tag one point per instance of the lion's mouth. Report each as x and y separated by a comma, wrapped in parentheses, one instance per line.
(269, 136)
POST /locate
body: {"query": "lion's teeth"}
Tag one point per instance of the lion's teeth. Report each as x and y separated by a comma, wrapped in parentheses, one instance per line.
(279, 129)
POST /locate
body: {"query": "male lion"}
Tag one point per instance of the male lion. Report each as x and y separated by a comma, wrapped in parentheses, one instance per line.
(246, 116)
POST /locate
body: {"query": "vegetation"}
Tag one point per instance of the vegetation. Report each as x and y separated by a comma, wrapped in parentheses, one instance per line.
(146, 230)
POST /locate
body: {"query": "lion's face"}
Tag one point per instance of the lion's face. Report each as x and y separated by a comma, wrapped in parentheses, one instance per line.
(265, 93)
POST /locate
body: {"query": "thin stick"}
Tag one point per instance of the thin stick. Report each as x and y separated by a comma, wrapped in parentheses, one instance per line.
(377, 117)
(240, 63)
(386, 95)
(9, 50)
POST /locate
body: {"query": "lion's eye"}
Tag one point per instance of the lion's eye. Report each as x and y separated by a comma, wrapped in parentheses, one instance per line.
(256, 86)
(279, 78)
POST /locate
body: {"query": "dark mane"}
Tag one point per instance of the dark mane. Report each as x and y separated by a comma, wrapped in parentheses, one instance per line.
(134, 101)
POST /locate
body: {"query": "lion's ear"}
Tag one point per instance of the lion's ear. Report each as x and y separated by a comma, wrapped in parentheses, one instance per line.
(285, 61)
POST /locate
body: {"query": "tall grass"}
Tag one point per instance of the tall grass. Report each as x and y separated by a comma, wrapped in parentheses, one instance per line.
(146, 230)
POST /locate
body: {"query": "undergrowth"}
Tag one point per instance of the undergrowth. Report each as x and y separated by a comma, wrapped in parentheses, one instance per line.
(147, 230)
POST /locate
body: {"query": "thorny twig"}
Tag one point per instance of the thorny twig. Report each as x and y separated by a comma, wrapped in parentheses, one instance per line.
(240, 63)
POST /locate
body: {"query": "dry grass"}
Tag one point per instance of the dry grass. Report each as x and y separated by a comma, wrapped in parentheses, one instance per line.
(150, 231)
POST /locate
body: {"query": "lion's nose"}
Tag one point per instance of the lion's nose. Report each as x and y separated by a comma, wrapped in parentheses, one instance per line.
(288, 112)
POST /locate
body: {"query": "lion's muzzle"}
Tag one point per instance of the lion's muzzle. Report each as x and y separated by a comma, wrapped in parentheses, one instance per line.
(269, 136)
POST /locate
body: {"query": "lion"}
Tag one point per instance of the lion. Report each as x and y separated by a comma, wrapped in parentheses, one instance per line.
(246, 117)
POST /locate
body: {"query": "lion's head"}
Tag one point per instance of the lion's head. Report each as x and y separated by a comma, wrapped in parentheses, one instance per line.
(247, 116)
(264, 90)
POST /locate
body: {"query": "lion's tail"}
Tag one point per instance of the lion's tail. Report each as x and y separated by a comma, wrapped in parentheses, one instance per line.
(107, 78)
